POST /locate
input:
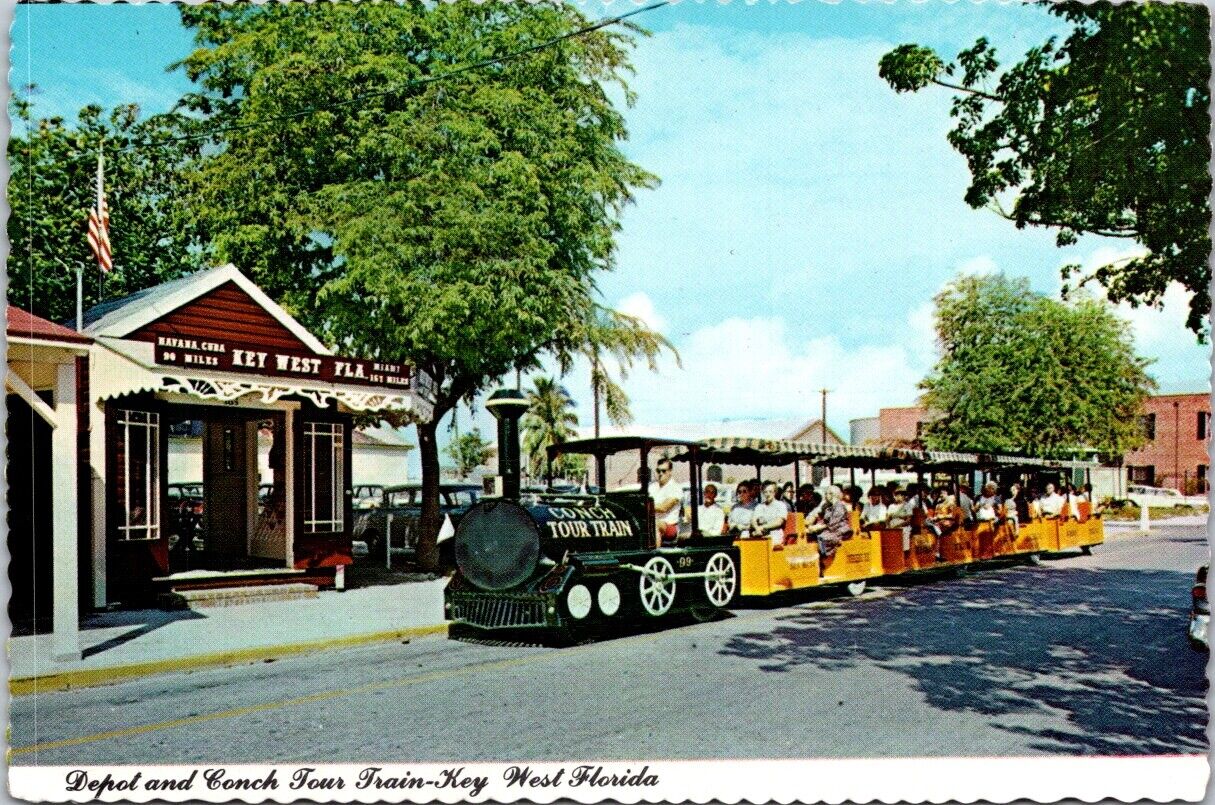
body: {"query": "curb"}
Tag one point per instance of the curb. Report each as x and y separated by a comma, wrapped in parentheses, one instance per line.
(91, 677)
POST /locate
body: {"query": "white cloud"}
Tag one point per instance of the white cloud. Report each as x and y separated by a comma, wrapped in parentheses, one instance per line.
(980, 266)
(640, 306)
(762, 368)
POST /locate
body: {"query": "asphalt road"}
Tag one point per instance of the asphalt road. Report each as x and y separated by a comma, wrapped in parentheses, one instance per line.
(1083, 655)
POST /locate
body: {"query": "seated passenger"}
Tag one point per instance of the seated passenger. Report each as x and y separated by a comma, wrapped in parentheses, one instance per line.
(709, 517)
(987, 505)
(1051, 503)
(966, 503)
(834, 524)
(874, 513)
(808, 500)
(947, 514)
(786, 494)
(667, 496)
(900, 514)
(744, 509)
(855, 497)
(769, 516)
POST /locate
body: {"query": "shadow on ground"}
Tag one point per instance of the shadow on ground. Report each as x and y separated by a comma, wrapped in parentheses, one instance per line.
(1101, 655)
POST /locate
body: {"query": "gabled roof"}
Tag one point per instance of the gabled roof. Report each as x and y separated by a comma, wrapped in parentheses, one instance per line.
(23, 324)
(813, 430)
(121, 317)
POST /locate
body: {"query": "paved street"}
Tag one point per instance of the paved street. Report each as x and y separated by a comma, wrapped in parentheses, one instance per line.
(1084, 655)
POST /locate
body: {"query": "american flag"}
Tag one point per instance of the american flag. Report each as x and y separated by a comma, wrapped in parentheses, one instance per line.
(99, 223)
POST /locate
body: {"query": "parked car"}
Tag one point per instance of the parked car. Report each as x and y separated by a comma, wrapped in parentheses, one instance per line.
(367, 496)
(399, 513)
(1200, 611)
(1155, 497)
(186, 516)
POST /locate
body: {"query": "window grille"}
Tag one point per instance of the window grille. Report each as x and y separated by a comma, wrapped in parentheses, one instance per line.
(324, 477)
(138, 475)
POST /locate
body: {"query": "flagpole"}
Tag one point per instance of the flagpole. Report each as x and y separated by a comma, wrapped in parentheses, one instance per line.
(79, 297)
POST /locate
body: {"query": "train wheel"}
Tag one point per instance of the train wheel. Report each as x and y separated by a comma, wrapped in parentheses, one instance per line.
(657, 587)
(1087, 550)
(721, 585)
(1034, 558)
(856, 588)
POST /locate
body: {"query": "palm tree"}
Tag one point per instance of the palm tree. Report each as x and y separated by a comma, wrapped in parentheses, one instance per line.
(550, 419)
(606, 332)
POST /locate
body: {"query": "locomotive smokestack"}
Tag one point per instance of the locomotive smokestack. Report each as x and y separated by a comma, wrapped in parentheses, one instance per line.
(507, 405)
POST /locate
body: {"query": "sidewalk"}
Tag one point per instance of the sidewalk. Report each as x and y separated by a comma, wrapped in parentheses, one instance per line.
(1182, 520)
(130, 643)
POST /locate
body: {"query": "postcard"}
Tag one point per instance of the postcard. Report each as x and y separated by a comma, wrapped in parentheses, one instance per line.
(633, 402)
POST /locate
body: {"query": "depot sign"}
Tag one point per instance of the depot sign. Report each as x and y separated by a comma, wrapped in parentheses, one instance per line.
(223, 356)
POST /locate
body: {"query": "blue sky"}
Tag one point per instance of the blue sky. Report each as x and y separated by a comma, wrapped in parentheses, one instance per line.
(806, 217)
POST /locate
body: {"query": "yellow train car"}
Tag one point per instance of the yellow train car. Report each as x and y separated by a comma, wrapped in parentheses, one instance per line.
(797, 562)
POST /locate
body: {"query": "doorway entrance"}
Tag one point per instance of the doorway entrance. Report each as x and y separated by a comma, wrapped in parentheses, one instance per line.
(226, 470)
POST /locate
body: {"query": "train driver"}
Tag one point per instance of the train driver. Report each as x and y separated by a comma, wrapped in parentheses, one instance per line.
(667, 496)
(1051, 503)
(741, 513)
(710, 517)
(769, 516)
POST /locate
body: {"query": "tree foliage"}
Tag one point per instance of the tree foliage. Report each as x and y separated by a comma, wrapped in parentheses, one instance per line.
(469, 451)
(1021, 373)
(549, 420)
(53, 186)
(453, 224)
(1106, 132)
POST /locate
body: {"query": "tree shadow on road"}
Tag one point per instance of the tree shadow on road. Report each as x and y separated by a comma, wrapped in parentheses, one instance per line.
(1097, 658)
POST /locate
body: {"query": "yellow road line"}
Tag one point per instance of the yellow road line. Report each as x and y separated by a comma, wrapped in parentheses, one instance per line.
(50, 683)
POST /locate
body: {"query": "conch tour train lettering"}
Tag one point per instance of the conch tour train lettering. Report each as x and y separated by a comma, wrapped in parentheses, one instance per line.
(568, 565)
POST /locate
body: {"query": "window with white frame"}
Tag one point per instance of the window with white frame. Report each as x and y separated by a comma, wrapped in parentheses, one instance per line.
(138, 474)
(324, 477)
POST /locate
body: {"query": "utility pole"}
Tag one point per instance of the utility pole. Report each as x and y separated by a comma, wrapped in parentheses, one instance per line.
(1177, 446)
(823, 418)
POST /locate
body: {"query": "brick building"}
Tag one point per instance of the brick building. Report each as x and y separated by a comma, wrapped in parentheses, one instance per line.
(1179, 432)
(1176, 456)
(902, 427)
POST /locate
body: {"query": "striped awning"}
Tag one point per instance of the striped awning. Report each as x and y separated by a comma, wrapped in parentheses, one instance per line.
(748, 450)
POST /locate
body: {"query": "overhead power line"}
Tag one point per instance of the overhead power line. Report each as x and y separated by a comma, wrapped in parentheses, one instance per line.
(406, 85)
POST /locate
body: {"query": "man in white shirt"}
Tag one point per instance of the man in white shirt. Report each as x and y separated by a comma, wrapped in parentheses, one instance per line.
(770, 514)
(1051, 503)
(667, 496)
(709, 517)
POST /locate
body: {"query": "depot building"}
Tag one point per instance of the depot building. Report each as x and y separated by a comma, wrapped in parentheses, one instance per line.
(212, 354)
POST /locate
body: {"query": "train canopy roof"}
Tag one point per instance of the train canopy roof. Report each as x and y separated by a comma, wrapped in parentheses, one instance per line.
(752, 451)
(607, 445)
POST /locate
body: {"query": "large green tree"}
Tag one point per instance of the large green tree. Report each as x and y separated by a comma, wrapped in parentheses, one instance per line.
(454, 223)
(1106, 132)
(1021, 373)
(53, 185)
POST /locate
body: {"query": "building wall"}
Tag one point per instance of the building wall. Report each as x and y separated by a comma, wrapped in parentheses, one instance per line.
(865, 431)
(901, 425)
(1176, 457)
(380, 464)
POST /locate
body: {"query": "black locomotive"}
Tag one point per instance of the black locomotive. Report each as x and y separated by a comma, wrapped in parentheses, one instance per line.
(566, 563)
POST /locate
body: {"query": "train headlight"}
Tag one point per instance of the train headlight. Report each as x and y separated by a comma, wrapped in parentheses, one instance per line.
(578, 600)
(609, 599)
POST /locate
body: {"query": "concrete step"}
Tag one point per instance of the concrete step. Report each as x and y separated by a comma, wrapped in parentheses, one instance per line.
(233, 596)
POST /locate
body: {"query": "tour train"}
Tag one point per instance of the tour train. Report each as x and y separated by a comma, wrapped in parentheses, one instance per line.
(567, 564)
